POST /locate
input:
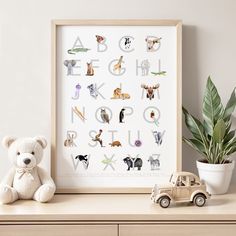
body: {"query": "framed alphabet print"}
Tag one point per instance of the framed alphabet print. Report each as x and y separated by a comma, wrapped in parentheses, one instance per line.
(116, 104)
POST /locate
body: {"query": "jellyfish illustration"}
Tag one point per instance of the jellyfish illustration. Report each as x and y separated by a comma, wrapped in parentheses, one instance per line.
(77, 91)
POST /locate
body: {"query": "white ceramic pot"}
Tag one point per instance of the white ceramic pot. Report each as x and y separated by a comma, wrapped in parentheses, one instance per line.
(216, 176)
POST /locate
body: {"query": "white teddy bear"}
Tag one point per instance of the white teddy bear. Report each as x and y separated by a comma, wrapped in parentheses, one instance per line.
(26, 180)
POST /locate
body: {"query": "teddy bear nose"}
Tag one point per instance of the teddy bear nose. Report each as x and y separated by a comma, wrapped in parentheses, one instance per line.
(26, 161)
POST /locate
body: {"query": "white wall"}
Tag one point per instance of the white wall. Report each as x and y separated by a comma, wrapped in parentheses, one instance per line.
(209, 48)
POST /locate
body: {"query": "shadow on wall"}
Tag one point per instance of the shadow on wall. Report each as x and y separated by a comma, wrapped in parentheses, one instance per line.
(233, 157)
(190, 89)
(191, 94)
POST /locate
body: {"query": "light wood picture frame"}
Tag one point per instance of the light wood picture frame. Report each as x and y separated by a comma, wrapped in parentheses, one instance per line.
(116, 104)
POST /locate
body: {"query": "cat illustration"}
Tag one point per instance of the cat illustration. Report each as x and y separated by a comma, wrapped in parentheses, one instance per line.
(90, 70)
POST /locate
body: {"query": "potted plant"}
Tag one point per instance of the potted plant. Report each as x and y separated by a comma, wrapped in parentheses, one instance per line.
(213, 139)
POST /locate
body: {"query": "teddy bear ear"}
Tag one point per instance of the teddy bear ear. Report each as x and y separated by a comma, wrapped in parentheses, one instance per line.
(41, 140)
(7, 141)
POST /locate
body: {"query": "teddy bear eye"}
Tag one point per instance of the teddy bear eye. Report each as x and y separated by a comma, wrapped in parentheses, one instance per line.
(32, 153)
(18, 153)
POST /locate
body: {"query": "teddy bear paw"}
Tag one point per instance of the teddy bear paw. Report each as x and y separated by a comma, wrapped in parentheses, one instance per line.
(44, 193)
(6, 195)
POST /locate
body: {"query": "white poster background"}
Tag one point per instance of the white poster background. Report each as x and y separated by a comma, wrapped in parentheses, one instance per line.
(95, 176)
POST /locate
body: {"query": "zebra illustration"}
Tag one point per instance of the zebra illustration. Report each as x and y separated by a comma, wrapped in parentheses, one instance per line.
(154, 163)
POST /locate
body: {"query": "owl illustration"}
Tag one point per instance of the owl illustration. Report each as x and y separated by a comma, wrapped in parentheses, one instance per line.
(104, 116)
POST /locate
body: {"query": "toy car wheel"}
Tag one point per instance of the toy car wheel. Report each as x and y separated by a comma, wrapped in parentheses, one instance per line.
(164, 202)
(199, 200)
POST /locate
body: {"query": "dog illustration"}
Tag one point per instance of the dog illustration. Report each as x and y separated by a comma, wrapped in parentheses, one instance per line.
(90, 70)
(117, 66)
(84, 159)
(117, 94)
(115, 143)
(133, 162)
(150, 90)
(151, 42)
(154, 163)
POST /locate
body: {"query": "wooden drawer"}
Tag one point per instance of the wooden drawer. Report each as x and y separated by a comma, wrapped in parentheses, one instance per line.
(59, 230)
(177, 230)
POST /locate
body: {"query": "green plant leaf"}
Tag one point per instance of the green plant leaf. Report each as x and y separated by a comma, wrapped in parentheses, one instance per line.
(229, 136)
(231, 150)
(228, 126)
(195, 127)
(212, 106)
(229, 144)
(196, 145)
(219, 131)
(230, 106)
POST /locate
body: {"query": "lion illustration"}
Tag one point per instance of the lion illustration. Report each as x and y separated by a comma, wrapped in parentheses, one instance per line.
(117, 94)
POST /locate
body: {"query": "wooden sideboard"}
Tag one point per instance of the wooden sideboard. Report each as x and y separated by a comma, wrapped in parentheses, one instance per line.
(118, 215)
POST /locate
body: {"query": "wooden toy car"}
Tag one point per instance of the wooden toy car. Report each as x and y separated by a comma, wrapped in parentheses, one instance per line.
(182, 187)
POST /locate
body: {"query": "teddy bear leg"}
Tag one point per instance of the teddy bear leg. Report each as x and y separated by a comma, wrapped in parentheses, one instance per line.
(44, 193)
(7, 194)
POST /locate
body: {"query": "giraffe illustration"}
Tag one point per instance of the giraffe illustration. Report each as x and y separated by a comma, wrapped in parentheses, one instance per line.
(117, 66)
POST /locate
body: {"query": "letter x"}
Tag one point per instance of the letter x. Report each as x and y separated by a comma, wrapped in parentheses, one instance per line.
(108, 162)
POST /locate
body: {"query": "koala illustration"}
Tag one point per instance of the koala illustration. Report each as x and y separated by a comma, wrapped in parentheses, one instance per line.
(93, 90)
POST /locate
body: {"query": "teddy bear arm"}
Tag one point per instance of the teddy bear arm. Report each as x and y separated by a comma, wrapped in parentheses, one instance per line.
(46, 191)
(45, 178)
(7, 193)
(8, 178)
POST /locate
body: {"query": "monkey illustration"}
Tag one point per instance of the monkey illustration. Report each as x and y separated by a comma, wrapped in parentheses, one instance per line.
(122, 115)
(90, 70)
(98, 139)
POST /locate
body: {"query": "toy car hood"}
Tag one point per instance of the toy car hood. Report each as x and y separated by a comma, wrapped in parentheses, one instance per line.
(158, 187)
